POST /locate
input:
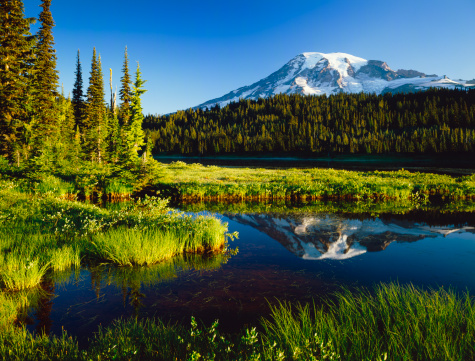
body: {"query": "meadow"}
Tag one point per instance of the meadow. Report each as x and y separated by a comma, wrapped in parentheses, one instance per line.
(197, 182)
(43, 233)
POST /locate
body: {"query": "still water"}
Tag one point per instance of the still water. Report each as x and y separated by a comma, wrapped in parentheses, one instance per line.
(294, 257)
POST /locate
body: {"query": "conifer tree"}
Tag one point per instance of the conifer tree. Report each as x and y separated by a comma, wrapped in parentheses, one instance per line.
(45, 81)
(135, 134)
(125, 90)
(16, 58)
(114, 140)
(96, 118)
(78, 94)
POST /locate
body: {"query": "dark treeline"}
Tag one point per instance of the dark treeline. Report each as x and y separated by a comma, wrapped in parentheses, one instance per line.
(42, 130)
(434, 121)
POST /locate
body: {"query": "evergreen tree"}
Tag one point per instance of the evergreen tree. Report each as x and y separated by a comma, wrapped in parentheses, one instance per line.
(16, 58)
(95, 123)
(135, 134)
(125, 90)
(114, 141)
(78, 95)
(45, 81)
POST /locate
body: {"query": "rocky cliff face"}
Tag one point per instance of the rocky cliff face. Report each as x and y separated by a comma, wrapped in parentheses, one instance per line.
(318, 73)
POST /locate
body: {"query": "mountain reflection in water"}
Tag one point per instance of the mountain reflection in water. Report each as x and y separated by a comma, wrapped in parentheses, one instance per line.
(317, 237)
(297, 257)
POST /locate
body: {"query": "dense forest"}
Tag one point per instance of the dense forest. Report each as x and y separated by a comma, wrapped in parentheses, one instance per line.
(44, 132)
(434, 121)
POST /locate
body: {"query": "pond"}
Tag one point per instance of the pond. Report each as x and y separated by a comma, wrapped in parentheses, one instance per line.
(283, 255)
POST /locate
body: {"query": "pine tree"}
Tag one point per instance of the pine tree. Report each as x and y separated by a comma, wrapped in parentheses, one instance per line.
(78, 95)
(45, 81)
(125, 91)
(95, 131)
(113, 140)
(135, 134)
(16, 59)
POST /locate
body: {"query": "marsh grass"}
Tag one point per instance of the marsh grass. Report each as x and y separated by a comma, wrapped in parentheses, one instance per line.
(19, 272)
(62, 259)
(144, 247)
(50, 184)
(402, 321)
(131, 247)
(14, 306)
(392, 323)
(195, 181)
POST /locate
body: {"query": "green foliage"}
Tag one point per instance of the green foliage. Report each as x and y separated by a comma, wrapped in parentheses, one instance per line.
(95, 123)
(16, 62)
(135, 134)
(141, 247)
(394, 322)
(42, 233)
(125, 90)
(46, 126)
(434, 121)
(195, 181)
(78, 95)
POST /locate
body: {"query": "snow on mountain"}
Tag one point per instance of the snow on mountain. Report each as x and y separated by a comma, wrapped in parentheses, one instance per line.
(318, 237)
(319, 73)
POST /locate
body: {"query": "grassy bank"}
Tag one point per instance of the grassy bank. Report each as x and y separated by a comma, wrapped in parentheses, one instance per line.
(393, 322)
(41, 234)
(454, 212)
(195, 181)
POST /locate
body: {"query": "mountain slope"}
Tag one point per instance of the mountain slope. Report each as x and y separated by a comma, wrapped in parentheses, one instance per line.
(319, 73)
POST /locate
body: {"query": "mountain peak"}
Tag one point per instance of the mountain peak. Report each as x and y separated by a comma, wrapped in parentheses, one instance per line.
(314, 73)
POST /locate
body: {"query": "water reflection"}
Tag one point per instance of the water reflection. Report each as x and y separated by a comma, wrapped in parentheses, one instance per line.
(425, 248)
(329, 236)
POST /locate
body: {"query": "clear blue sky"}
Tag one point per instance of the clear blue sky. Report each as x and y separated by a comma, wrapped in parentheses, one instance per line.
(193, 51)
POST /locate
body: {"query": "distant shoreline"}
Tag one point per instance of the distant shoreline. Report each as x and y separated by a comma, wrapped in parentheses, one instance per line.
(453, 164)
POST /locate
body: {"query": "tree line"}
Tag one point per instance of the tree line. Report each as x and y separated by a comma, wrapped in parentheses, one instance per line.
(433, 121)
(41, 127)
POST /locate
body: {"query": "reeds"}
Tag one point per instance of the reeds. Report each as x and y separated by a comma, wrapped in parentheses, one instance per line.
(144, 247)
(402, 322)
(394, 322)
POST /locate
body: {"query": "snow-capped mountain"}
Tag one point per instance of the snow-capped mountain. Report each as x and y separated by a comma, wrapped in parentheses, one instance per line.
(328, 236)
(318, 73)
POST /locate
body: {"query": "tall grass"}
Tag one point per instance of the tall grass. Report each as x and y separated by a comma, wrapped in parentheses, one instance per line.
(403, 322)
(195, 181)
(19, 272)
(394, 322)
(143, 247)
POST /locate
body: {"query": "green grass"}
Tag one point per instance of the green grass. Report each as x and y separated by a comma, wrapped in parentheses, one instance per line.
(394, 322)
(195, 181)
(405, 322)
(454, 212)
(144, 247)
(43, 233)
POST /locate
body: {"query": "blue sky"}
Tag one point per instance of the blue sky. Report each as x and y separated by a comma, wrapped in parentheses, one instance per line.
(193, 51)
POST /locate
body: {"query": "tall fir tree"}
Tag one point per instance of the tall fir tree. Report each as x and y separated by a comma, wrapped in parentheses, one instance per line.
(45, 82)
(125, 91)
(16, 61)
(95, 123)
(113, 140)
(78, 94)
(135, 133)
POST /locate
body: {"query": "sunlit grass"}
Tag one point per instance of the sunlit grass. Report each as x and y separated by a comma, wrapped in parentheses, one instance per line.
(19, 272)
(405, 322)
(144, 247)
(210, 182)
(62, 259)
(394, 322)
